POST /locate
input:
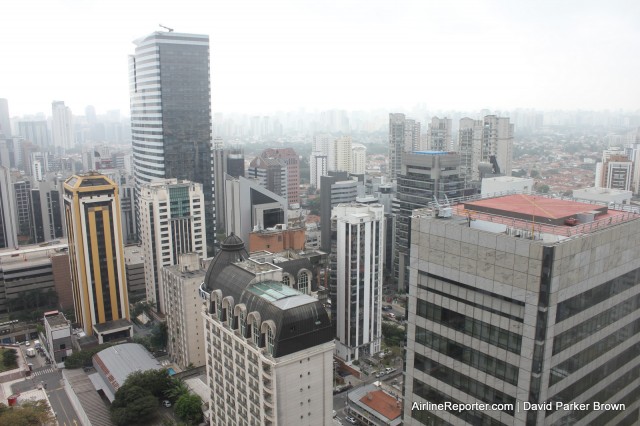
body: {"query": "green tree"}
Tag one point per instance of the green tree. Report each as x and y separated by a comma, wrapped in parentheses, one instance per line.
(84, 358)
(393, 335)
(158, 382)
(9, 357)
(27, 414)
(133, 404)
(178, 388)
(159, 335)
(189, 408)
(544, 189)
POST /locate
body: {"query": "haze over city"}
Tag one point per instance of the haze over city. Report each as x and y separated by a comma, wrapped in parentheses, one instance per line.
(285, 55)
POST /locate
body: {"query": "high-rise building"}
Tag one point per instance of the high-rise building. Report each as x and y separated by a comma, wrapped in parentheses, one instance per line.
(252, 207)
(521, 300)
(185, 331)
(235, 162)
(336, 188)
(358, 159)
(171, 113)
(269, 348)
(271, 173)
(426, 176)
(439, 135)
(62, 126)
(5, 119)
(290, 158)
(172, 222)
(96, 256)
(357, 255)
(47, 208)
(480, 140)
(24, 210)
(8, 219)
(219, 157)
(341, 154)
(404, 136)
(318, 167)
(615, 171)
(34, 131)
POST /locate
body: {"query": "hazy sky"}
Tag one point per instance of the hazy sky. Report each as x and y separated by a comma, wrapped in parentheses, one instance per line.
(282, 55)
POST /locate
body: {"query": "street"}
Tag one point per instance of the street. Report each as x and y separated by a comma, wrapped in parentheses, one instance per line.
(50, 378)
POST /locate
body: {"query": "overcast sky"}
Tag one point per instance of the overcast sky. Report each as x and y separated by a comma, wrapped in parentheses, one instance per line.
(283, 55)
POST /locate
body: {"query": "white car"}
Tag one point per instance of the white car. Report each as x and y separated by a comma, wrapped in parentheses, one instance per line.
(166, 403)
(27, 343)
(351, 420)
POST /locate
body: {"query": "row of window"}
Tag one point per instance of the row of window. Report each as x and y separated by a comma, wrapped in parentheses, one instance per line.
(464, 383)
(430, 394)
(594, 351)
(476, 359)
(572, 392)
(585, 329)
(592, 297)
(480, 330)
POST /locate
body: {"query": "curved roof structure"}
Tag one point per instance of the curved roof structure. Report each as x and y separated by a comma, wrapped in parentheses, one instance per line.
(300, 320)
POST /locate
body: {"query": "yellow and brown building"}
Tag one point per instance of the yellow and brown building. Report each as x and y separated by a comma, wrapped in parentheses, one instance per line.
(96, 256)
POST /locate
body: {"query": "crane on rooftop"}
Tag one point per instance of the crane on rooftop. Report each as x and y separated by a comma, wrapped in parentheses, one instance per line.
(166, 28)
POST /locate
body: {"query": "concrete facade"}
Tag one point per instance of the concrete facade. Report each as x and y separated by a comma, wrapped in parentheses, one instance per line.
(497, 318)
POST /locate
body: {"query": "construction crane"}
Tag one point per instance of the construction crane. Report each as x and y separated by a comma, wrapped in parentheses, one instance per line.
(166, 28)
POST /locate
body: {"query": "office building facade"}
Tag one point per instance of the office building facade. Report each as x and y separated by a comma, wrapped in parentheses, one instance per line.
(357, 255)
(62, 126)
(172, 222)
(171, 113)
(513, 302)
(96, 255)
(426, 175)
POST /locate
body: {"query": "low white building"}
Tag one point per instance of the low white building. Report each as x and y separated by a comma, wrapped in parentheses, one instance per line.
(603, 195)
(506, 184)
(58, 332)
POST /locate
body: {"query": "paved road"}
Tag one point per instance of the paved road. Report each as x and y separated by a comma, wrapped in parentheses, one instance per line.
(51, 380)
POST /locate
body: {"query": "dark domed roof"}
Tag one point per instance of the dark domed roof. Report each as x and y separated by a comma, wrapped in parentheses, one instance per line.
(232, 243)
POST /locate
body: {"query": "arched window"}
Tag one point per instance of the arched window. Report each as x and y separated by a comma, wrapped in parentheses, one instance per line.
(270, 340)
(303, 282)
(242, 320)
(286, 280)
(219, 308)
(255, 331)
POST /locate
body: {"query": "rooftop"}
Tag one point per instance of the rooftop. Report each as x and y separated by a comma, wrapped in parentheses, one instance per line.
(117, 362)
(57, 320)
(561, 218)
(376, 401)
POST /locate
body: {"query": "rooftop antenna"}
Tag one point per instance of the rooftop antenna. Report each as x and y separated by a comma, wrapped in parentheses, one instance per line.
(166, 28)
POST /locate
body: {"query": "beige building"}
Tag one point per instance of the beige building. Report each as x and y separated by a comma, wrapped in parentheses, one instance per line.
(269, 348)
(185, 343)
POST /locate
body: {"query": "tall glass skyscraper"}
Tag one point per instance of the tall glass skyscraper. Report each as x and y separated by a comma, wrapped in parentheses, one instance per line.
(171, 113)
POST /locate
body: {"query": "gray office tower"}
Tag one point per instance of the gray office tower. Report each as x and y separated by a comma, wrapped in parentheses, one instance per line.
(524, 310)
(336, 188)
(171, 113)
(424, 175)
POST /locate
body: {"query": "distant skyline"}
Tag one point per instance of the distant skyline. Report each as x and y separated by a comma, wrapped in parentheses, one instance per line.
(317, 55)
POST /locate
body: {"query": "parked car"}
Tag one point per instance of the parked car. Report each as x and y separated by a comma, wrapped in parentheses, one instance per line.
(387, 307)
(351, 420)
(166, 403)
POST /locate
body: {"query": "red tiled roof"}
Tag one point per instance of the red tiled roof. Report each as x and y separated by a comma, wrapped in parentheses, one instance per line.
(383, 403)
(534, 206)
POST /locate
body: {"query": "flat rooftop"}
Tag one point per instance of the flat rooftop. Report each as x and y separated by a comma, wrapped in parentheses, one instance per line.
(533, 206)
(57, 320)
(555, 216)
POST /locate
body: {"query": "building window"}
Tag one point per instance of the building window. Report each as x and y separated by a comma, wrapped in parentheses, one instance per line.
(286, 280)
(219, 308)
(255, 331)
(270, 340)
(242, 323)
(303, 282)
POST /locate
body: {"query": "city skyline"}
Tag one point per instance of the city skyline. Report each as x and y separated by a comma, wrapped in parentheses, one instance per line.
(347, 55)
